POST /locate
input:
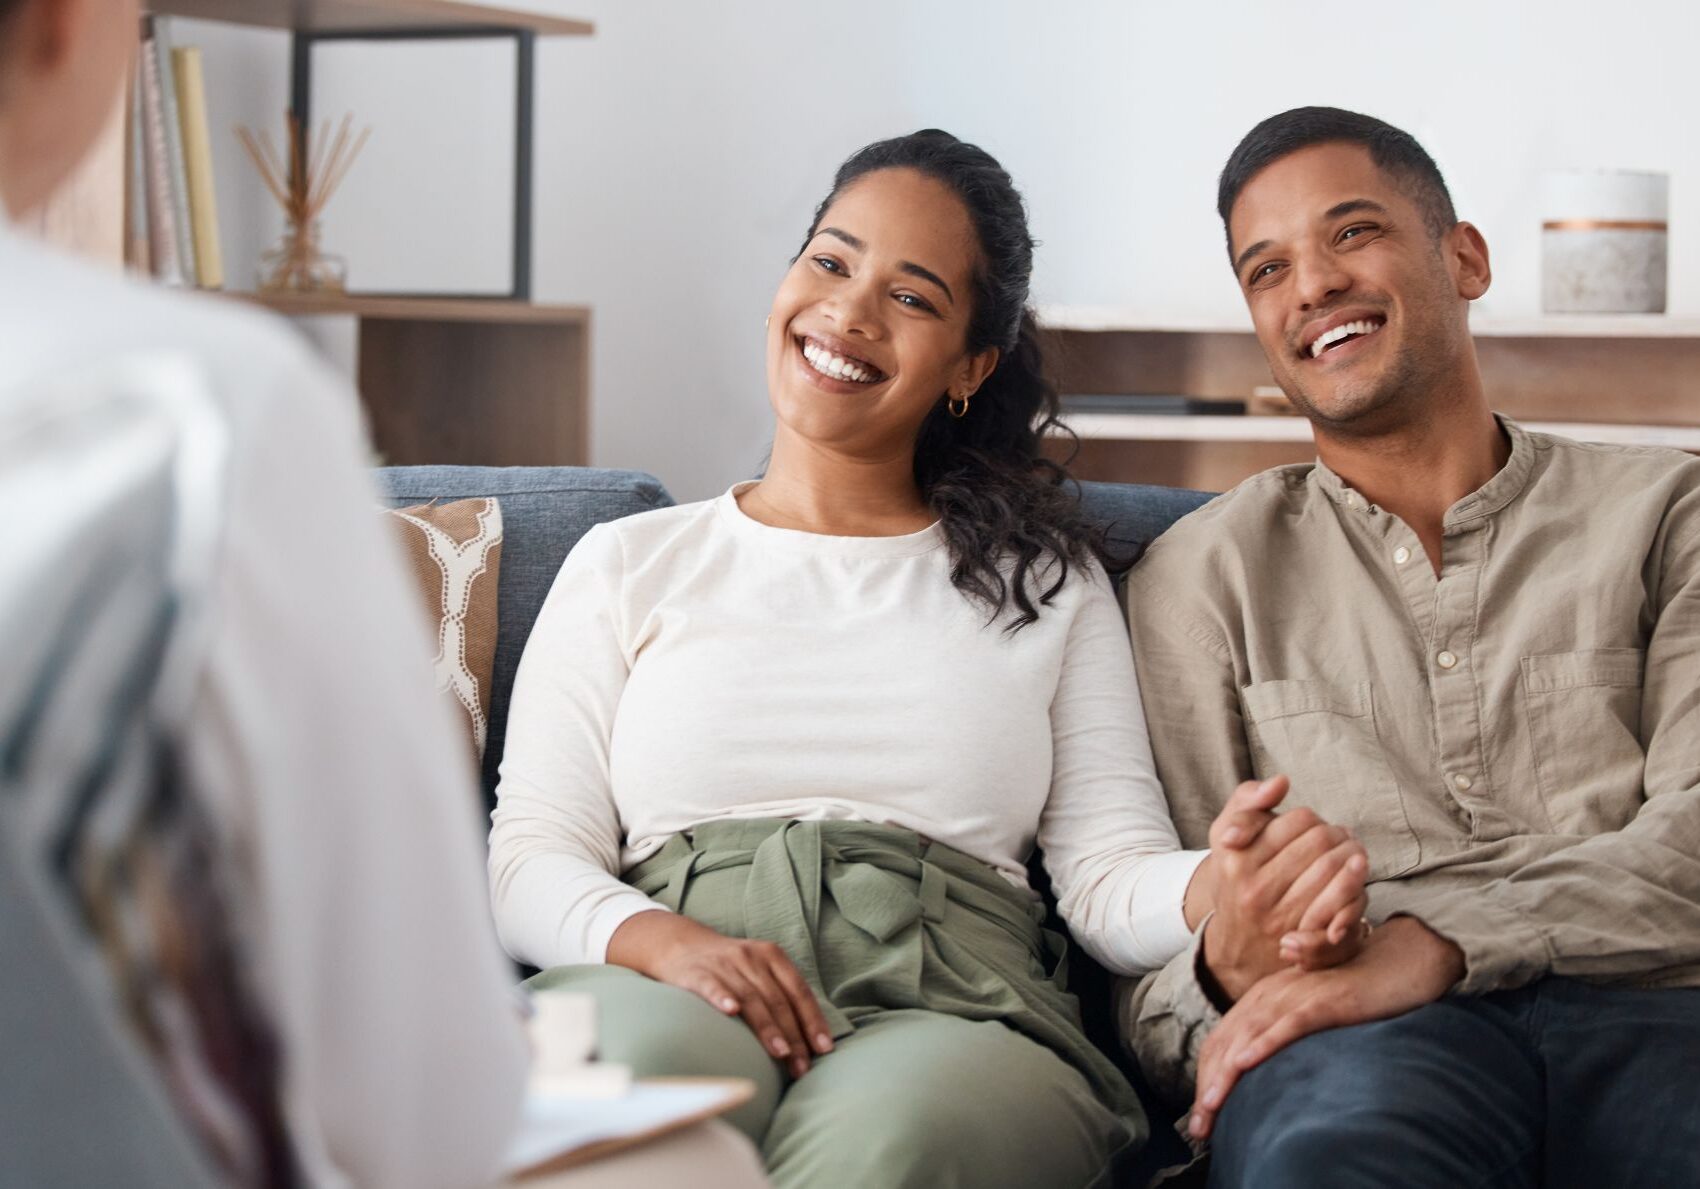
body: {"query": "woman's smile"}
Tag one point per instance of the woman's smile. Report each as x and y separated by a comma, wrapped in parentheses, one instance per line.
(827, 363)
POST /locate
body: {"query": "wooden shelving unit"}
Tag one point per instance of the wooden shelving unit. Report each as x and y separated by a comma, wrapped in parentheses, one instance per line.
(480, 382)
(1149, 427)
(446, 380)
(459, 380)
(1570, 326)
(435, 309)
(1633, 379)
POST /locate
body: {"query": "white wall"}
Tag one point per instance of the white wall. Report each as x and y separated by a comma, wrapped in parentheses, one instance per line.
(680, 153)
(681, 149)
(1121, 116)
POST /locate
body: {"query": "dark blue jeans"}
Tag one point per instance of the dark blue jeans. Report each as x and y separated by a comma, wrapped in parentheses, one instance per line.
(1557, 1084)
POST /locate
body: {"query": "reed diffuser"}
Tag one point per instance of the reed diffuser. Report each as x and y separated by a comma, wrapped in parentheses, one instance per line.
(316, 167)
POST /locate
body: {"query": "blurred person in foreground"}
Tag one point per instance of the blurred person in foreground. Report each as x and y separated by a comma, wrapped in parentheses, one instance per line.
(233, 812)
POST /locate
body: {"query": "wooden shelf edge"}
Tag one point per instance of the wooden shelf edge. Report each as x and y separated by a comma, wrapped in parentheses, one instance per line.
(1154, 427)
(1119, 320)
(1112, 319)
(347, 16)
(418, 309)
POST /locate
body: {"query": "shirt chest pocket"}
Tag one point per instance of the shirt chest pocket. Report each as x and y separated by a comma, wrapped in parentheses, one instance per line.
(1584, 711)
(1322, 735)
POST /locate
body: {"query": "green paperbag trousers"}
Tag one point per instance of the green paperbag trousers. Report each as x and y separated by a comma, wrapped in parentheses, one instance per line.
(959, 1056)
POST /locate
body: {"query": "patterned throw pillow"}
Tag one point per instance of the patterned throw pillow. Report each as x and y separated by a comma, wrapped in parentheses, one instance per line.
(455, 552)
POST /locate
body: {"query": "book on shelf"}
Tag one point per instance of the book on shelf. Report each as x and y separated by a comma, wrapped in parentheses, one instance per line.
(136, 232)
(164, 250)
(172, 193)
(197, 165)
(173, 117)
(1122, 402)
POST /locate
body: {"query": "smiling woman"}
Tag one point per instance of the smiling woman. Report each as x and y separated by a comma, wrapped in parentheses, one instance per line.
(784, 756)
(908, 301)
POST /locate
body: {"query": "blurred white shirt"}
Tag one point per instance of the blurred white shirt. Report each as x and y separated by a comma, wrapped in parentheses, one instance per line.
(316, 738)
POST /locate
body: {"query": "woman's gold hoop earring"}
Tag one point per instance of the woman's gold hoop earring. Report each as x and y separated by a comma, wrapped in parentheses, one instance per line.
(958, 406)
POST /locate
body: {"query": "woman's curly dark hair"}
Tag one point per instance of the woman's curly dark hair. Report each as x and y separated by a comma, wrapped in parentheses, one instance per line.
(1012, 516)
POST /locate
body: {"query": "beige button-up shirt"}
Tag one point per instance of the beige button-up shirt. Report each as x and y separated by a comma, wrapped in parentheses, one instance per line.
(1516, 741)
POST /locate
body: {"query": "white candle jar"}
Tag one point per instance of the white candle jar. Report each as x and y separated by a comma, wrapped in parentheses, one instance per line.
(563, 1031)
(1603, 242)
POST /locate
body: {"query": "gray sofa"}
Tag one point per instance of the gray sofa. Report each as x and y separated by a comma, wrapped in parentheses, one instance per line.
(545, 510)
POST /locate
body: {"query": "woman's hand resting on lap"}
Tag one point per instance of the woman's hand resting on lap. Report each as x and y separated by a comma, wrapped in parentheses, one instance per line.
(752, 979)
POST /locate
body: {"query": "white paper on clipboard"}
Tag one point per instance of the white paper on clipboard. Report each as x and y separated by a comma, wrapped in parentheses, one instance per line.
(553, 1126)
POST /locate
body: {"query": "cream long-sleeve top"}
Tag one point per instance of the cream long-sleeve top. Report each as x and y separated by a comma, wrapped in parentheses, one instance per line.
(692, 664)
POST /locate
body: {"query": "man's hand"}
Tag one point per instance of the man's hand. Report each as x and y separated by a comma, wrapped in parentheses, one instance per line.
(1288, 889)
(1404, 965)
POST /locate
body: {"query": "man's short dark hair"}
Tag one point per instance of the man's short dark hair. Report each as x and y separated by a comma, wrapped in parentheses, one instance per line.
(1394, 151)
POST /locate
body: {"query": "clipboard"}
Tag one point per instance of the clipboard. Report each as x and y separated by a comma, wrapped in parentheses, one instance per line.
(558, 1133)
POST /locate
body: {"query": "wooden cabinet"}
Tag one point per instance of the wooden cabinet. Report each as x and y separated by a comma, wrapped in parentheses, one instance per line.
(474, 382)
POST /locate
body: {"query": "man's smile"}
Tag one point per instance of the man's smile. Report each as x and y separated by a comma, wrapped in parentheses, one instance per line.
(1336, 331)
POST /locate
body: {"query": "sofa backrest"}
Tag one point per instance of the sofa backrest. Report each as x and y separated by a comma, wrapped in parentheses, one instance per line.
(545, 510)
(1135, 514)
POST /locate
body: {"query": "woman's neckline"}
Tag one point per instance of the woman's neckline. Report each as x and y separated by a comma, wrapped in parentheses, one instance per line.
(800, 540)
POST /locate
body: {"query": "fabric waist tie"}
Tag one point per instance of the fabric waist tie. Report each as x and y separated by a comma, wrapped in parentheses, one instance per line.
(881, 878)
(877, 918)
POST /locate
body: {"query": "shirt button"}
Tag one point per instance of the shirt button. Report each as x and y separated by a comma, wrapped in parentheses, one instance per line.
(1462, 783)
(1446, 660)
(1401, 555)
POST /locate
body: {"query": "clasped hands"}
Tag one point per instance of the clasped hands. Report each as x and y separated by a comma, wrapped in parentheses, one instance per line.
(1287, 890)
(1287, 946)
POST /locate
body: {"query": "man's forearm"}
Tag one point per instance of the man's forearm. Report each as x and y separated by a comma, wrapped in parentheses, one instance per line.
(1614, 905)
(1404, 966)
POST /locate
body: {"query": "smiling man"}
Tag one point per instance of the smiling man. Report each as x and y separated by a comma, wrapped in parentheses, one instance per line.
(1478, 648)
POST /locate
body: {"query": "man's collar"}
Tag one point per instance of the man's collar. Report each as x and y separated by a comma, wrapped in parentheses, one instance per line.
(1505, 485)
